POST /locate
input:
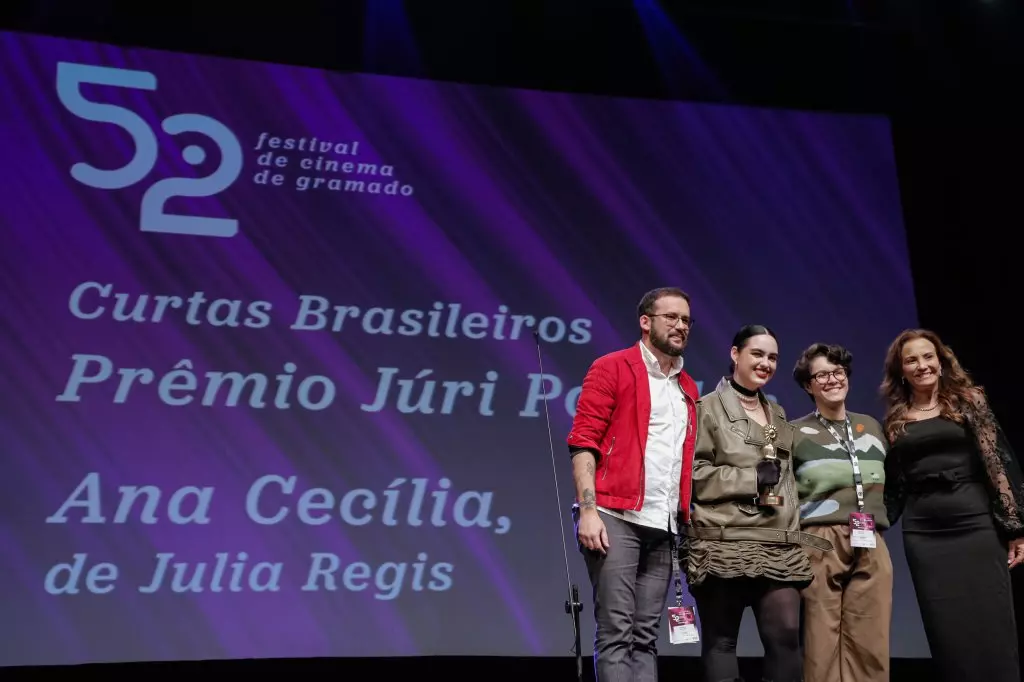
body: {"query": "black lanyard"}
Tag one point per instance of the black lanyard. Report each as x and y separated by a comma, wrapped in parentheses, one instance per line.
(851, 449)
(677, 572)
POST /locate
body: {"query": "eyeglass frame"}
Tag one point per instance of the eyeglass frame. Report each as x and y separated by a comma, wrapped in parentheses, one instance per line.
(687, 321)
(821, 378)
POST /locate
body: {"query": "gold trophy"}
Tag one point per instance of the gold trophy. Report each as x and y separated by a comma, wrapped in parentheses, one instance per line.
(767, 497)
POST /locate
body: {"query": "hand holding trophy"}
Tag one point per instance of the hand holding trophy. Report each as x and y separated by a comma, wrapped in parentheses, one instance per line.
(769, 470)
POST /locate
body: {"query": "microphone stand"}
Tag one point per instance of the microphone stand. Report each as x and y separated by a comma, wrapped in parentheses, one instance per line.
(573, 605)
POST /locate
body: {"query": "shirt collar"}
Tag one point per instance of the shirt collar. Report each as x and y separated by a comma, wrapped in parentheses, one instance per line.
(652, 362)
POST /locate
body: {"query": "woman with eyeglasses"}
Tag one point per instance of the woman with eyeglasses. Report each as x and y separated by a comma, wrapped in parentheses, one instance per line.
(744, 541)
(955, 482)
(839, 461)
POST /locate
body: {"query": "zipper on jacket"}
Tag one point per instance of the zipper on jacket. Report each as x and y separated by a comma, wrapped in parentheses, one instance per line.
(690, 428)
(643, 482)
(607, 461)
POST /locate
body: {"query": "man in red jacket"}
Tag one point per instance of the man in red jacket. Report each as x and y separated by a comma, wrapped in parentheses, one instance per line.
(632, 452)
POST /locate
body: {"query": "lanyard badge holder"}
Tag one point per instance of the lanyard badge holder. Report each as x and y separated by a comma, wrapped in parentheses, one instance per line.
(862, 525)
(682, 620)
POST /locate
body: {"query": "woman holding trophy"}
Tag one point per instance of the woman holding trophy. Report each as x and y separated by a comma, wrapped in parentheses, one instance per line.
(744, 545)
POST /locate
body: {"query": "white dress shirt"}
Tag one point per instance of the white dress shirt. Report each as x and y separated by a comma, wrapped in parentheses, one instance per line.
(663, 457)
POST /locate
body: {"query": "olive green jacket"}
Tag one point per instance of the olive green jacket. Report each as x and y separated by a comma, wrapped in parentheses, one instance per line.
(729, 446)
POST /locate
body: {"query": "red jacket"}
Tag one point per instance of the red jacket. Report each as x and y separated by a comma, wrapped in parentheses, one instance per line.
(611, 421)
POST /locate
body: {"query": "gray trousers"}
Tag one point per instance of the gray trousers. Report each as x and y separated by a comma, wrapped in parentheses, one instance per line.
(630, 583)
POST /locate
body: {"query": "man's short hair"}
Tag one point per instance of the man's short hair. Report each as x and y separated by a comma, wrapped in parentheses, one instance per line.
(646, 306)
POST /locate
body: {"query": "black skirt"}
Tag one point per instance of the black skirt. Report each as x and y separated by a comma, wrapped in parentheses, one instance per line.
(958, 565)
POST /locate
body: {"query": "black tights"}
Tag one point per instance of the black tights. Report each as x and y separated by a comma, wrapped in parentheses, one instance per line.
(720, 607)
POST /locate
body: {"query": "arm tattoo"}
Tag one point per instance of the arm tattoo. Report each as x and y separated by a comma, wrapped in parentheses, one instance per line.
(590, 468)
(588, 501)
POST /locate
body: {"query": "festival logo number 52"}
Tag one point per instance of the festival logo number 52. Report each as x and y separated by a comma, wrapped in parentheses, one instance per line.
(152, 216)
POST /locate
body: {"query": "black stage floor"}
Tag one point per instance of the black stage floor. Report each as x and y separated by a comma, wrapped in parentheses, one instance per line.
(672, 669)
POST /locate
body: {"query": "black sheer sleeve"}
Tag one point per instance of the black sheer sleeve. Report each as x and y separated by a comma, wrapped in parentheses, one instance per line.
(1006, 482)
(895, 491)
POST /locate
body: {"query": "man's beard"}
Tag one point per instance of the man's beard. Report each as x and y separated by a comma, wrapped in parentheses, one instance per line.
(662, 344)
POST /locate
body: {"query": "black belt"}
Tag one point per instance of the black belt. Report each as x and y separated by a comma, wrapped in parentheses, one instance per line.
(941, 480)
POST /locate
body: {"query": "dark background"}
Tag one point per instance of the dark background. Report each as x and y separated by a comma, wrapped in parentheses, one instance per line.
(947, 72)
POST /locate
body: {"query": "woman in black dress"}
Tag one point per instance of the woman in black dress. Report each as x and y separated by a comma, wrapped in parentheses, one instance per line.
(952, 477)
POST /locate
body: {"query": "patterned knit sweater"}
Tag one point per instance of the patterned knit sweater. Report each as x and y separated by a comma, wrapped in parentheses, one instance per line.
(824, 474)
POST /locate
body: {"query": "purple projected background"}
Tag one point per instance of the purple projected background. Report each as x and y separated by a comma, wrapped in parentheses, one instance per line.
(496, 204)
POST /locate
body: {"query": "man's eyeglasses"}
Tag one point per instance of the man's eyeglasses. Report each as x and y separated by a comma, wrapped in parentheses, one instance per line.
(822, 377)
(674, 319)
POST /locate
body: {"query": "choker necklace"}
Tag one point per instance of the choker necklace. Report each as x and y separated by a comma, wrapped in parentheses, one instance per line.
(741, 390)
(924, 409)
(748, 399)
